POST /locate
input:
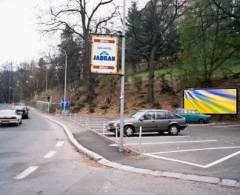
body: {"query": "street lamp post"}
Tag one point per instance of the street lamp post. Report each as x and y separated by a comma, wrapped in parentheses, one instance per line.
(65, 79)
(122, 79)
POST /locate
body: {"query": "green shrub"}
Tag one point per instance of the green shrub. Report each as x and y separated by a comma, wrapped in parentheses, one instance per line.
(166, 88)
(106, 104)
(141, 104)
(78, 106)
(157, 105)
(175, 104)
(76, 109)
(91, 107)
(138, 81)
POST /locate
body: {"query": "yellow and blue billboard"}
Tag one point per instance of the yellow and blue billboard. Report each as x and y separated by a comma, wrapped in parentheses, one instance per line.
(211, 101)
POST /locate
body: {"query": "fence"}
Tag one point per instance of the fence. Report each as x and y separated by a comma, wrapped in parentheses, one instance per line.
(47, 106)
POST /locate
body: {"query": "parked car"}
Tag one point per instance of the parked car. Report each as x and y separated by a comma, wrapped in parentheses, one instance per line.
(10, 117)
(23, 110)
(150, 121)
(193, 116)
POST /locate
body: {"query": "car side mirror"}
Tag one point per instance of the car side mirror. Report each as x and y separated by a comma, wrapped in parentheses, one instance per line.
(141, 118)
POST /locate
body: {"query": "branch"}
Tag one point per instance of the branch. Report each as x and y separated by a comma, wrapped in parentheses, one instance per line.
(230, 14)
(219, 64)
(57, 14)
(105, 20)
(102, 2)
(56, 26)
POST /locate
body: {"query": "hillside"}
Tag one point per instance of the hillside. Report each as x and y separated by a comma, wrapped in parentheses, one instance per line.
(108, 93)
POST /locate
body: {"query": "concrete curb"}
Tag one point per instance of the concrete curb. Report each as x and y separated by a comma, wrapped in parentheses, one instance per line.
(212, 124)
(189, 177)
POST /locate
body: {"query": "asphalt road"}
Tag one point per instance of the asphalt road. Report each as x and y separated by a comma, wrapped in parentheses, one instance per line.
(36, 158)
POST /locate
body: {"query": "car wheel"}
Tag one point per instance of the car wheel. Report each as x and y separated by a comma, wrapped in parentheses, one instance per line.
(201, 121)
(128, 131)
(20, 122)
(173, 130)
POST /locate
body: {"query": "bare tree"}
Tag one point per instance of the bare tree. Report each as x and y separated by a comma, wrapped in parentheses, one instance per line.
(82, 18)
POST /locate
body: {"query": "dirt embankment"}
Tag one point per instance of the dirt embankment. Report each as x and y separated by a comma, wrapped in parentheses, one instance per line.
(107, 98)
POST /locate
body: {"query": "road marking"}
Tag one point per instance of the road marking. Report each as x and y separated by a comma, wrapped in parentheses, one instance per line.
(107, 134)
(59, 143)
(158, 137)
(26, 172)
(227, 126)
(169, 142)
(192, 150)
(175, 160)
(222, 159)
(50, 154)
(195, 164)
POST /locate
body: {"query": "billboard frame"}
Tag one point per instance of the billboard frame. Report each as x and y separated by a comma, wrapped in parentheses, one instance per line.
(237, 99)
(117, 53)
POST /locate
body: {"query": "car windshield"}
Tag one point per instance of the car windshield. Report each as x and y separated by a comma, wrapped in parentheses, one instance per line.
(7, 112)
(137, 114)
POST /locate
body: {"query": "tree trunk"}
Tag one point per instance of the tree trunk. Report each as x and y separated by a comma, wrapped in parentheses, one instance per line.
(151, 71)
(88, 75)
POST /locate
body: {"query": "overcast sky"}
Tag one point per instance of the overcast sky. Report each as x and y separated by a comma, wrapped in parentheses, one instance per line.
(20, 39)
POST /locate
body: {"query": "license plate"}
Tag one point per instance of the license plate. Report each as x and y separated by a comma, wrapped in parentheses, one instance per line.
(5, 122)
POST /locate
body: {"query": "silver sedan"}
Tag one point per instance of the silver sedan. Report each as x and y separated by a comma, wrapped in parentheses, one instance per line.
(150, 121)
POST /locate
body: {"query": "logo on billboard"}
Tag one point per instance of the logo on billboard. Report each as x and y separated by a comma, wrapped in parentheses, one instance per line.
(104, 56)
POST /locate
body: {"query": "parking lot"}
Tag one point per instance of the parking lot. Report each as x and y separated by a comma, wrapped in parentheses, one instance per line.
(199, 149)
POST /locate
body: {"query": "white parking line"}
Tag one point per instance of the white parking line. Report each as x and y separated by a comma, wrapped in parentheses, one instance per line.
(158, 137)
(227, 126)
(26, 172)
(195, 164)
(59, 143)
(106, 134)
(175, 160)
(169, 142)
(192, 150)
(222, 159)
(50, 154)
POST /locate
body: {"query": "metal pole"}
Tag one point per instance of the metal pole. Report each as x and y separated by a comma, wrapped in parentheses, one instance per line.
(46, 80)
(122, 80)
(140, 135)
(65, 81)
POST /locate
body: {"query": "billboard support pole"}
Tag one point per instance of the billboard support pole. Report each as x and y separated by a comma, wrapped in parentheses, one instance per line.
(65, 79)
(122, 79)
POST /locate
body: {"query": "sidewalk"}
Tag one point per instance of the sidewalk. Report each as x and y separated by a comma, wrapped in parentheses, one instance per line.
(134, 162)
